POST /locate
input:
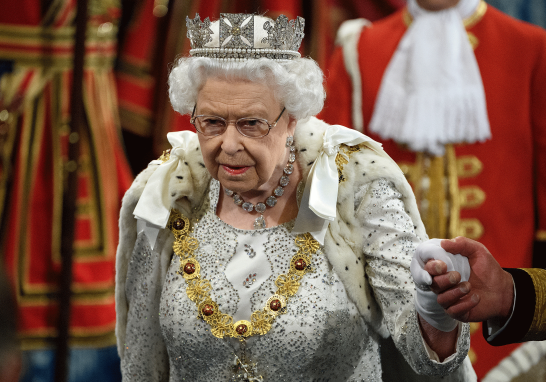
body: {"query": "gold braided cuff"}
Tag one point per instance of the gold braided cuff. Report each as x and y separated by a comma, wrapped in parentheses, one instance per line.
(537, 330)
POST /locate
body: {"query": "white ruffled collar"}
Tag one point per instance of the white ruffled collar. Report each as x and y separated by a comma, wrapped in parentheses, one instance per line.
(432, 93)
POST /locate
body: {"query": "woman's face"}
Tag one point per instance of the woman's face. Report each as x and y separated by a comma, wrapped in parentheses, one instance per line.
(240, 163)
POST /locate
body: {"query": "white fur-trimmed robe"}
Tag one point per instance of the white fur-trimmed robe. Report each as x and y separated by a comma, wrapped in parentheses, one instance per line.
(343, 242)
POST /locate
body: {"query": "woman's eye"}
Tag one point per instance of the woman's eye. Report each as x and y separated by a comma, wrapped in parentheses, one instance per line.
(250, 123)
(213, 122)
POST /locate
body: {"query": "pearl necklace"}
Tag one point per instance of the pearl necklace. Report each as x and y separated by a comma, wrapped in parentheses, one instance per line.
(271, 201)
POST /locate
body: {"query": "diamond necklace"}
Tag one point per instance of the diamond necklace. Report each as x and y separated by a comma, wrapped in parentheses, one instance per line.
(271, 201)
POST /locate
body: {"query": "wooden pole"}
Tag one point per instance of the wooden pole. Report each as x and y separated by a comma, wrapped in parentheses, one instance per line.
(70, 193)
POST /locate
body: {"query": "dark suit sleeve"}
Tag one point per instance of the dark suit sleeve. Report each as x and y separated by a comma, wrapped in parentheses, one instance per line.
(522, 317)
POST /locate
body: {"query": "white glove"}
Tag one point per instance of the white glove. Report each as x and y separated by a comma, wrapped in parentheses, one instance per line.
(425, 300)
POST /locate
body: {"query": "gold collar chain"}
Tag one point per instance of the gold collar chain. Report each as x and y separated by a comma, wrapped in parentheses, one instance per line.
(198, 289)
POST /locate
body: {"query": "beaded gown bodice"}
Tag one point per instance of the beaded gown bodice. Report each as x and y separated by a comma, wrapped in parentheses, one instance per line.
(321, 326)
(323, 335)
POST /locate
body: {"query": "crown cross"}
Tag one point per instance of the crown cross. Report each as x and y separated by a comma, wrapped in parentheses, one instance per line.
(199, 32)
(236, 30)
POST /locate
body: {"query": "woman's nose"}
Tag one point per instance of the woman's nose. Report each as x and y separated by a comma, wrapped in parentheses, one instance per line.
(232, 139)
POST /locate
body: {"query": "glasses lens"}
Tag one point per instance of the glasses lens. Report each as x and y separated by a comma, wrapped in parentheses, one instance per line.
(252, 127)
(208, 125)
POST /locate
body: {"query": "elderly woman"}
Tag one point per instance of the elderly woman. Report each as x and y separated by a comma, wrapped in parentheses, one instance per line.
(269, 245)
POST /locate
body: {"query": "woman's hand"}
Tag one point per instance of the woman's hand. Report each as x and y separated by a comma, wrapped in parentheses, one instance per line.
(436, 271)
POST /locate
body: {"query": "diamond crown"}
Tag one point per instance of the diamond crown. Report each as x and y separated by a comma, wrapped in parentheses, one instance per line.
(241, 36)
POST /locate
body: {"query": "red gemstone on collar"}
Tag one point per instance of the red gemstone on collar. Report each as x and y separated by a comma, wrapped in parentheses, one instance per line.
(275, 305)
(208, 310)
(189, 268)
(241, 329)
(300, 264)
(179, 224)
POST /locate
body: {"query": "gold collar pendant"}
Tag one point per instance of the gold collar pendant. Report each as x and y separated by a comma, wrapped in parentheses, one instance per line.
(221, 324)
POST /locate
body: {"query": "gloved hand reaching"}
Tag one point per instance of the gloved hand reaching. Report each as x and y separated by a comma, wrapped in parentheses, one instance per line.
(426, 300)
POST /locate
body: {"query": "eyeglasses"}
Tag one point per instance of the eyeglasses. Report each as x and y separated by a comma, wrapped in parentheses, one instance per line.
(211, 125)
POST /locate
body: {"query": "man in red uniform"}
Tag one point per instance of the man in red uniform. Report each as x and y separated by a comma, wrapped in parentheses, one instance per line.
(37, 49)
(475, 176)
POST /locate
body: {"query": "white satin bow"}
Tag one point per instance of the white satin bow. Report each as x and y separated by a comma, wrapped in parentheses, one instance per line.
(318, 204)
(154, 205)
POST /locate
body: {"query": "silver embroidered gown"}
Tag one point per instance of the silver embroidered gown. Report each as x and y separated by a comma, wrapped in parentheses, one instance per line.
(322, 337)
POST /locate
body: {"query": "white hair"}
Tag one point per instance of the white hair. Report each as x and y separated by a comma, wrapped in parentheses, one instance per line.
(297, 83)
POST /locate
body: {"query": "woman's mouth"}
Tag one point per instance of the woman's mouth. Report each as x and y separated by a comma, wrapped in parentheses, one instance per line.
(235, 170)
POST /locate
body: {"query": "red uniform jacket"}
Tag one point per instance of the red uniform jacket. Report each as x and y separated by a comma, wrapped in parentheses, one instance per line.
(498, 188)
(35, 130)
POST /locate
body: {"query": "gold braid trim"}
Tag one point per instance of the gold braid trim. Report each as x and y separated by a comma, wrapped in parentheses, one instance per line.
(343, 156)
(540, 236)
(537, 330)
(198, 289)
(453, 188)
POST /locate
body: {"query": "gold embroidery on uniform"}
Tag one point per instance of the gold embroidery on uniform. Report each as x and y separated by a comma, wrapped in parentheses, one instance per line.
(472, 356)
(406, 16)
(453, 189)
(408, 170)
(418, 175)
(471, 197)
(198, 289)
(540, 235)
(436, 187)
(473, 40)
(471, 228)
(436, 216)
(468, 166)
(475, 18)
(538, 326)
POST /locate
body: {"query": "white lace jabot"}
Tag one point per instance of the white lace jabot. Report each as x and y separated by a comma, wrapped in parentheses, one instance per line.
(432, 92)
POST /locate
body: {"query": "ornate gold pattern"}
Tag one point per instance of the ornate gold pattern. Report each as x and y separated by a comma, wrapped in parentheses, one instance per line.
(282, 302)
(165, 156)
(342, 158)
(540, 235)
(475, 18)
(473, 40)
(455, 207)
(436, 216)
(471, 228)
(468, 166)
(198, 290)
(471, 196)
(472, 356)
(538, 326)
(436, 187)
(287, 285)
